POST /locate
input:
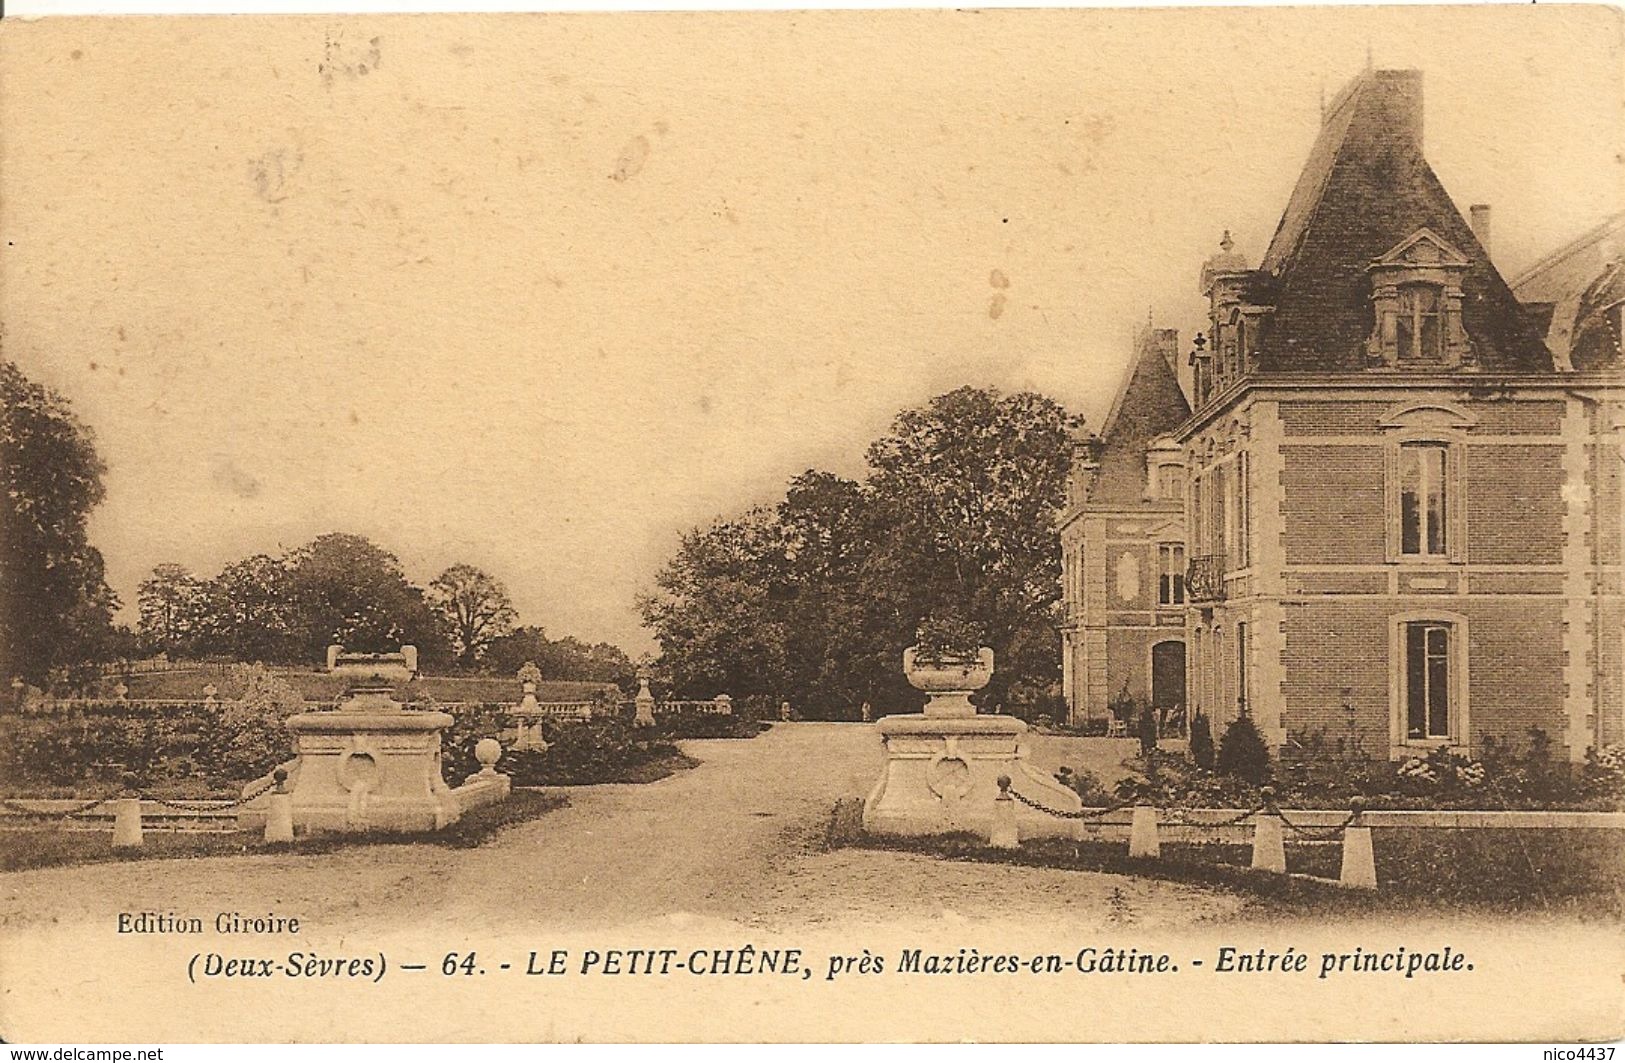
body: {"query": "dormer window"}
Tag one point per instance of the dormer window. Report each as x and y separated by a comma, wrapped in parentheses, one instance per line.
(1416, 302)
(1419, 324)
(1164, 470)
(1170, 482)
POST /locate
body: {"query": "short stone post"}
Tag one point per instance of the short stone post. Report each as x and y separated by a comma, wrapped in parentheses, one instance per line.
(1359, 869)
(645, 702)
(209, 692)
(1269, 848)
(127, 823)
(127, 816)
(725, 705)
(784, 711)
(1002, 834)
(121, 692)
(333, 652)
(279, 810)
(1142, 835)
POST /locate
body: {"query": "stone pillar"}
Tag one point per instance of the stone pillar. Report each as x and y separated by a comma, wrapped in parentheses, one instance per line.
(279, 810)
(645, 702)
(1269, 849)
(411, 655)
(943, 765)
(333, 652)
(1003, 833)
(1142, 838)
(1359, 870)
(127, 823)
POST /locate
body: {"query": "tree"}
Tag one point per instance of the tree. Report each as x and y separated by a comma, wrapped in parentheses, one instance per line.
(473, 607)
(714, 613)
(56, 609)
(174, 610)
(968, 488)
(252, 614)
(567, 658)
(822, 594)
(347, 590)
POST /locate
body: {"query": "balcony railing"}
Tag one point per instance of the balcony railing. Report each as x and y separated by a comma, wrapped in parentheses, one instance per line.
(1204, 579)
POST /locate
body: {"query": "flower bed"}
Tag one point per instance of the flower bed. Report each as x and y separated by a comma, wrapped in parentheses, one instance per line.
(1311, 773)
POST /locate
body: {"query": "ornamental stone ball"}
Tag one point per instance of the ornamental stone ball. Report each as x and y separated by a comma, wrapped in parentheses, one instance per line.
(488, 751)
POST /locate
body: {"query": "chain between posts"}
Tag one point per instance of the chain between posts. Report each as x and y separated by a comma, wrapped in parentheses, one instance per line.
(36, 813)
(276, 781)
(1087, 813)
(1266, 804)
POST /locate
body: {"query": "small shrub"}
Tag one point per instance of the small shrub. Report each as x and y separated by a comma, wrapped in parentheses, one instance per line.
(1087, 785)
(1242, 752)
(250, 735)
(1148, 730)
(1202, 751)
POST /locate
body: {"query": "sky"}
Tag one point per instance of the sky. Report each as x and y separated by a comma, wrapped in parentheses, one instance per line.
(539, 293)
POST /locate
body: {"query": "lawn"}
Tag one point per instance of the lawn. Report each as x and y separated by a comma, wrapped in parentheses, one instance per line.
(1574, 870)
(47, 847)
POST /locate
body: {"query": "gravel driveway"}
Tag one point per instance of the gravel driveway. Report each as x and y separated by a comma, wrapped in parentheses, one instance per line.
(738, 838)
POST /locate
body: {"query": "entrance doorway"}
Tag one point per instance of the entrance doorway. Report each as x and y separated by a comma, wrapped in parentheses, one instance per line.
(1168, 685)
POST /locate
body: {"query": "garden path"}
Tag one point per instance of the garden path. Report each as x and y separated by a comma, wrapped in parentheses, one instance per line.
(737, 839)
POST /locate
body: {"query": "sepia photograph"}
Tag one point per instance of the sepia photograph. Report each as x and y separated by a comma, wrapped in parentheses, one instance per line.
(1055, 525)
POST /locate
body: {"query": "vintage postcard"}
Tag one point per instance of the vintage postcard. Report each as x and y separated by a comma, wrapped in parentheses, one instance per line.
(1044, 525)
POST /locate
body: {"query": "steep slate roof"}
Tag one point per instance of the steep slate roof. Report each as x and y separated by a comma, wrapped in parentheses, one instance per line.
(1365, 188)
(1150, 403)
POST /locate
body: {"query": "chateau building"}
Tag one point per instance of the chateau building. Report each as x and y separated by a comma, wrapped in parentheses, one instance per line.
(1402, 514)
(1123, 546)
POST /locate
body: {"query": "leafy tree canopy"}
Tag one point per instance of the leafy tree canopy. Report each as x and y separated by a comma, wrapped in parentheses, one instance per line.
(815, 599)
(55, 606)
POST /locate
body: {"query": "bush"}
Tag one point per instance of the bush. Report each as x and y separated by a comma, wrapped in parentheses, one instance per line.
(1086, 784)
(598, 751)
(1148, 730)
(249, 735)
(707, 725)
(1202, 752)
(1242, 752)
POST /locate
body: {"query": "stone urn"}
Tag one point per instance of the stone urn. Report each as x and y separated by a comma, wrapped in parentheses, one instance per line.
(949, 680)
(943, 764)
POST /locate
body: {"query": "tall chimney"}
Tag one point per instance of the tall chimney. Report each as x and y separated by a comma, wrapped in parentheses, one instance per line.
(1401, 96)
(1481, 225)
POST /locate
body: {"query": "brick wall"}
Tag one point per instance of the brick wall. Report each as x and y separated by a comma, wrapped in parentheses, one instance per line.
(1331, 418)
(1516, 669)
(1544, 417)
(1514, 504)
(1338, 651)
(1333, 509)
(1333, 647)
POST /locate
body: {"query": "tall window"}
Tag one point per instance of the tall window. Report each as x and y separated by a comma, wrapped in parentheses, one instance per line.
(1242, 649)
(1171, 578)
(1423, 499)
(1243, 505)
(1427, 680)
(1419, 324)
